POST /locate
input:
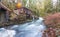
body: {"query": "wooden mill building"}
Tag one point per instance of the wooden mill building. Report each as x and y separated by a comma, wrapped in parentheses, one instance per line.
(7, 15)
(22, 12)
(4, 13)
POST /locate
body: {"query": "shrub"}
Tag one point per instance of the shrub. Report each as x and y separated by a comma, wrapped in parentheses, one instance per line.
(53, 20)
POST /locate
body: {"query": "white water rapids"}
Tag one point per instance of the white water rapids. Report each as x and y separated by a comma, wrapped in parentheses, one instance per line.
(30, 29)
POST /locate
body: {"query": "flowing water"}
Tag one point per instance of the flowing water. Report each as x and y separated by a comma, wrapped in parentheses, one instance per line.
(30, 29)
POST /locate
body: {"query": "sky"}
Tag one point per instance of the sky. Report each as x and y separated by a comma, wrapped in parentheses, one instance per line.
(54, 2)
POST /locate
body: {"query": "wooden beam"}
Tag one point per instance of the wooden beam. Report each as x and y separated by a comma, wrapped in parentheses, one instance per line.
(3, 6)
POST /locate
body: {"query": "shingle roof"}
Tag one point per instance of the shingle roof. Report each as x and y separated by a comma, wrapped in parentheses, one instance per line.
(3, 6)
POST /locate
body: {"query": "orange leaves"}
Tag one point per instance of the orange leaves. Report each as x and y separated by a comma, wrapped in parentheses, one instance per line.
(18, 5)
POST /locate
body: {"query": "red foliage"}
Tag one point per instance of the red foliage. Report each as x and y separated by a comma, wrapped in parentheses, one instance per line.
(52, 20)
(50, 32)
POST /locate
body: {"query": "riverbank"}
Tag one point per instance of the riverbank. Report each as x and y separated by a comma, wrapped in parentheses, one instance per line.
(11, 23)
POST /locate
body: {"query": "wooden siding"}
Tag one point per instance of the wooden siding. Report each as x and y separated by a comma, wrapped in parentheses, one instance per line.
(2, 17)
(22, 13)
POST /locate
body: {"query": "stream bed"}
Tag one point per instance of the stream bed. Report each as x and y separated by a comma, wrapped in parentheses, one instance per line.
(29, 29)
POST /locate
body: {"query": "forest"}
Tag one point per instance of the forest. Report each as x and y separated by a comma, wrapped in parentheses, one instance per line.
(40, 7)
(22, 10)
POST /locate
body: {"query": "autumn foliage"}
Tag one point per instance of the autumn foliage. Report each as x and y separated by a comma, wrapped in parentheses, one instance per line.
(50, 32)
(53, 20)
